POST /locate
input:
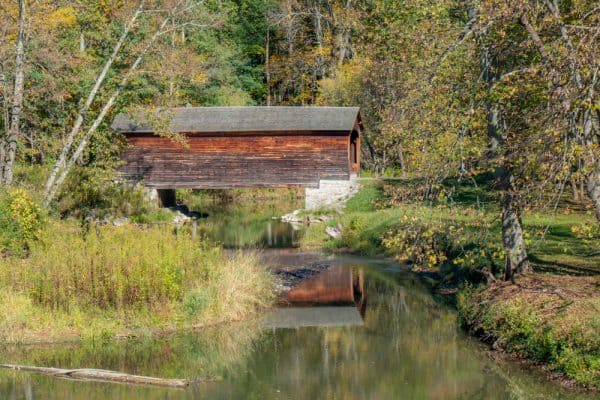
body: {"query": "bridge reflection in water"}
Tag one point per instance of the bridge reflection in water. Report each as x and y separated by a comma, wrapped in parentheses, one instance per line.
(335, 297)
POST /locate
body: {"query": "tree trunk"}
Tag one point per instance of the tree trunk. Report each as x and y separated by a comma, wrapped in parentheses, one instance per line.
(593, 179)
(17, 102)
(267, 65)
(289, 29)
(52, 190)
(515, 259)
(593, 190)
(401, 160)
(90, 99)
(5, 120)
(513, 241)
(575, 190)
(344, 37)
(100, 376)
(81, 42)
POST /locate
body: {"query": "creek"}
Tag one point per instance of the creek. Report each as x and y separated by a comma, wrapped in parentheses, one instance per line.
(362, 329)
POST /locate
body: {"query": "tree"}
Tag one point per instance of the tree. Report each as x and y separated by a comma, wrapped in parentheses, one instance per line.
(166, 17)
(8, 143)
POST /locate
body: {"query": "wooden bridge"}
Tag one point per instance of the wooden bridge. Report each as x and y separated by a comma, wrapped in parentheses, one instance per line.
(232, 147)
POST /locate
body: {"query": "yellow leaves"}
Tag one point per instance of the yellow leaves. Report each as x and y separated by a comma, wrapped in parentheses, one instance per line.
(201, 77)
(586, 231)
(64, 17)
(26, 213)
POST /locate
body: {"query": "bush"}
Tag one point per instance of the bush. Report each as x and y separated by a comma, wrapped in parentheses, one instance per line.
(94, 191)
(21, 222)
(459, 248)
(425, 243)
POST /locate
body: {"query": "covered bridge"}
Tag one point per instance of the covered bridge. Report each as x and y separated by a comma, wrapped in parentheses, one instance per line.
(230, 147)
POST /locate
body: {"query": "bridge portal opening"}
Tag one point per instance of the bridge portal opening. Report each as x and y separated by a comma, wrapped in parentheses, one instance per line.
(354, 156)
(167, 197)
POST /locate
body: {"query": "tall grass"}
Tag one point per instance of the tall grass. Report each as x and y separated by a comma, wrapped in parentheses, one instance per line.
(121, 273)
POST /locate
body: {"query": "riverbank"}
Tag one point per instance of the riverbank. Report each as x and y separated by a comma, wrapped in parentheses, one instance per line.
(551, 320)
(452, 239)
(114, 281)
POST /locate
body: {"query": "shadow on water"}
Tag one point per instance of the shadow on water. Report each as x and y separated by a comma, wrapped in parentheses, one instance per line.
(363, 329)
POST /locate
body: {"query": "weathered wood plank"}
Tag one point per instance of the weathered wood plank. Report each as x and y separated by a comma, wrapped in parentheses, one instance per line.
(237, 161)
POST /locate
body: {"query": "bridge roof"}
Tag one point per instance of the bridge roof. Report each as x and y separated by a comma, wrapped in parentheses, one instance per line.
(242, 119)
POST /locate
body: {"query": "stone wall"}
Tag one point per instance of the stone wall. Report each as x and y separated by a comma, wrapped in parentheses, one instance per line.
(330, 194)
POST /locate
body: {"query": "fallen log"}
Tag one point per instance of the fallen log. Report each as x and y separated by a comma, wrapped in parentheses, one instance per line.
(100, 375)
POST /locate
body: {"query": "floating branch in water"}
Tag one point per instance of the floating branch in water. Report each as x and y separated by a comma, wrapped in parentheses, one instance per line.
(101, 376)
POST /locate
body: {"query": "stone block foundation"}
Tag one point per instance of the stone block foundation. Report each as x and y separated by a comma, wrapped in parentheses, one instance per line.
(330, 194)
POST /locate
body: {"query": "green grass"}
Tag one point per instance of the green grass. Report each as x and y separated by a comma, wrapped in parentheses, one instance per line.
(369, 220)
(365, 199)
(119, 280)
(158, 216)
(554, 245)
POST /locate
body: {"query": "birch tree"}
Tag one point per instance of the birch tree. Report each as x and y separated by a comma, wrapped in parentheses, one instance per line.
(8, 144)
(60, 163)
(168, 18)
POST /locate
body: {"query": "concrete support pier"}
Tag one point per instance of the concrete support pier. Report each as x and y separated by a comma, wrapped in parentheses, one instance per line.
(330, 194)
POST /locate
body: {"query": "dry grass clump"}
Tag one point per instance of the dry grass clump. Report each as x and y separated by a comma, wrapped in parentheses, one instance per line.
(118, 279)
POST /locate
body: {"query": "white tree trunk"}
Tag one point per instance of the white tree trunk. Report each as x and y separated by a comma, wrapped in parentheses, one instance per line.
(51, 193)
(90, 99)
(593, 189)
(10, 149)
(5, 120)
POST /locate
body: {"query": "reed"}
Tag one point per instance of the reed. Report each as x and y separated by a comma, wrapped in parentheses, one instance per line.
(130, 276)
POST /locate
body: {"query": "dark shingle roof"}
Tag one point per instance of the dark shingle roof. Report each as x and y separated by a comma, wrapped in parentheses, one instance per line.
(246, 119)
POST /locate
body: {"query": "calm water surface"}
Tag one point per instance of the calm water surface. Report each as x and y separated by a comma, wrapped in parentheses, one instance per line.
(371, 331)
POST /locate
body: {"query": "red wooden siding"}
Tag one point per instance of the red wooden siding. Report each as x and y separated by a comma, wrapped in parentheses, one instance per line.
(238, 159)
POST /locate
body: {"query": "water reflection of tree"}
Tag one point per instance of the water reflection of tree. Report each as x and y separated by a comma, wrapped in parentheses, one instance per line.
(218, 352)
(237, 225)
(410, 347)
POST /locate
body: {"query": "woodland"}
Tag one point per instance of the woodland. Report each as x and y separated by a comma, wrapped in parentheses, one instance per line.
(446, 88)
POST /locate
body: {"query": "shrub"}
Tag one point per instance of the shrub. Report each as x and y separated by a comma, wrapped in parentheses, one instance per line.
(425, 243)
(459, 248)
(94, 191)
(21, 222)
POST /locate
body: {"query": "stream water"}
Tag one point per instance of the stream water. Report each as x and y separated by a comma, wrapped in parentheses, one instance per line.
(364, 329)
